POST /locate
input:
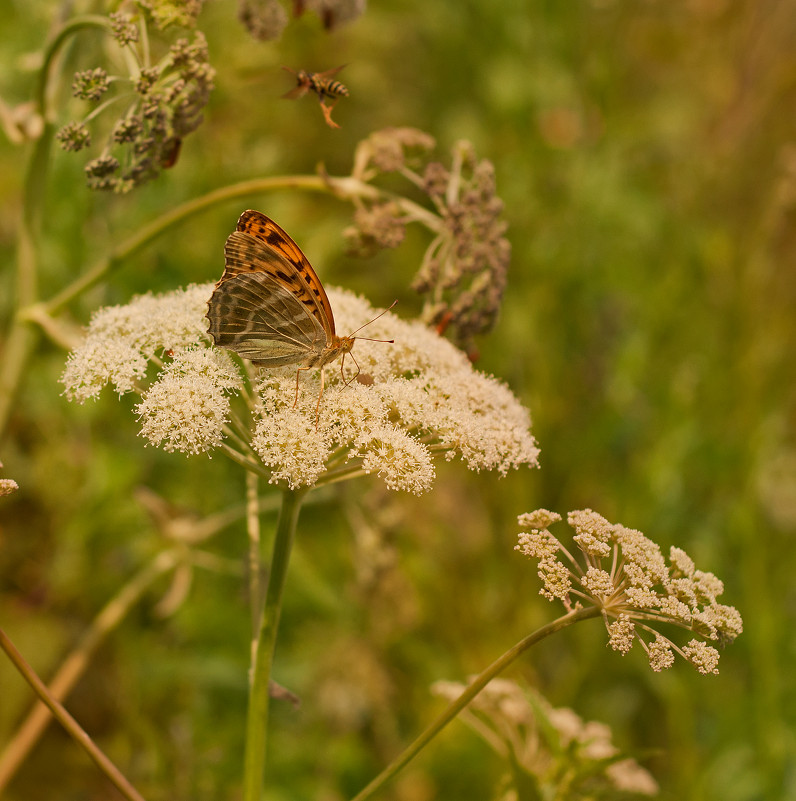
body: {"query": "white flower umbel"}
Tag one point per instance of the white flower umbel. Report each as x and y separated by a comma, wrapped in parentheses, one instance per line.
(7, 486)
(624, 574)
(549, 747)
(388, 410)
(188, 406)
(123, 339)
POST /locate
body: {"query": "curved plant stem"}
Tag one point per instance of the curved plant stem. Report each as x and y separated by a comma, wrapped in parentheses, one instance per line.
(141, 238)
(21, 336)
(68, 722)
(263, 648)
(475, 687)
(344, 187)
(69, 28)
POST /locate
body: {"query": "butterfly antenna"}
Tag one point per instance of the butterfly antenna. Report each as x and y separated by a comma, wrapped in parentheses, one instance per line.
(364, 325)
(366, 339)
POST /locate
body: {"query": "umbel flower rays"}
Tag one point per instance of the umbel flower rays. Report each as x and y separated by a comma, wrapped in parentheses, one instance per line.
(624, 574)
(410, 401)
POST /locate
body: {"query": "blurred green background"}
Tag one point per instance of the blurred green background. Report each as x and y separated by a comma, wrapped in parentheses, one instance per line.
(646, 156)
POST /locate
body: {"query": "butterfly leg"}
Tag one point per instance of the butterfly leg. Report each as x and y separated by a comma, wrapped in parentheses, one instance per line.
(353, 377)
(318, 404)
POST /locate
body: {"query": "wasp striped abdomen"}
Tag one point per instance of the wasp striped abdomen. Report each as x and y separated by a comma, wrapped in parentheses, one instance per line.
(324, 87)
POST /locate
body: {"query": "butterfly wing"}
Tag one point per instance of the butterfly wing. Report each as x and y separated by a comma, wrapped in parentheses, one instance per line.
(257, 315)
(289, 266)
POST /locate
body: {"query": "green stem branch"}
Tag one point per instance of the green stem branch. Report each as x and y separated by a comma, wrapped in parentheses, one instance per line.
(21, 337)
(346, 188)
(263, 650)
(475, 687)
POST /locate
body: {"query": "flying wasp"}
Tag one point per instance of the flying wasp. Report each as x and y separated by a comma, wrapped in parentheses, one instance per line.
(323, 85)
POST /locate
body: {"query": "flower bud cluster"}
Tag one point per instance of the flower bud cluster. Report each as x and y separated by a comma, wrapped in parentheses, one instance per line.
(167, 99)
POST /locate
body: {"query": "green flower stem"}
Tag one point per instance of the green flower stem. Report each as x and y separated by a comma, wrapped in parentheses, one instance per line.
(170, 219)
(336, 475)
(263, 651)
(68, 30)
(475, 687)
(247, 462)
(21, 337)
(68, 722)
(346, 188)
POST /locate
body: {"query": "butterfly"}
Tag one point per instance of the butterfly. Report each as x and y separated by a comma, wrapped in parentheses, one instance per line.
(269, 306)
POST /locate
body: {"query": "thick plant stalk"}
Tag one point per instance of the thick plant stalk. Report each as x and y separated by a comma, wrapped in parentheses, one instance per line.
(263, 648)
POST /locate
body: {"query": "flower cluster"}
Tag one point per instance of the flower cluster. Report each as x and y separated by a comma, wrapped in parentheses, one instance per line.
(552, 747)
(386, 411)
(74, 136)
(463, 274)
(171, 13)
(391, 150)
(90, 84)
(376, 226)
(464, 271)
(122, 340)
(266, 19)
(624, 574)
(263, 19)
(123, 28)
(7, 485)
(167, 101)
